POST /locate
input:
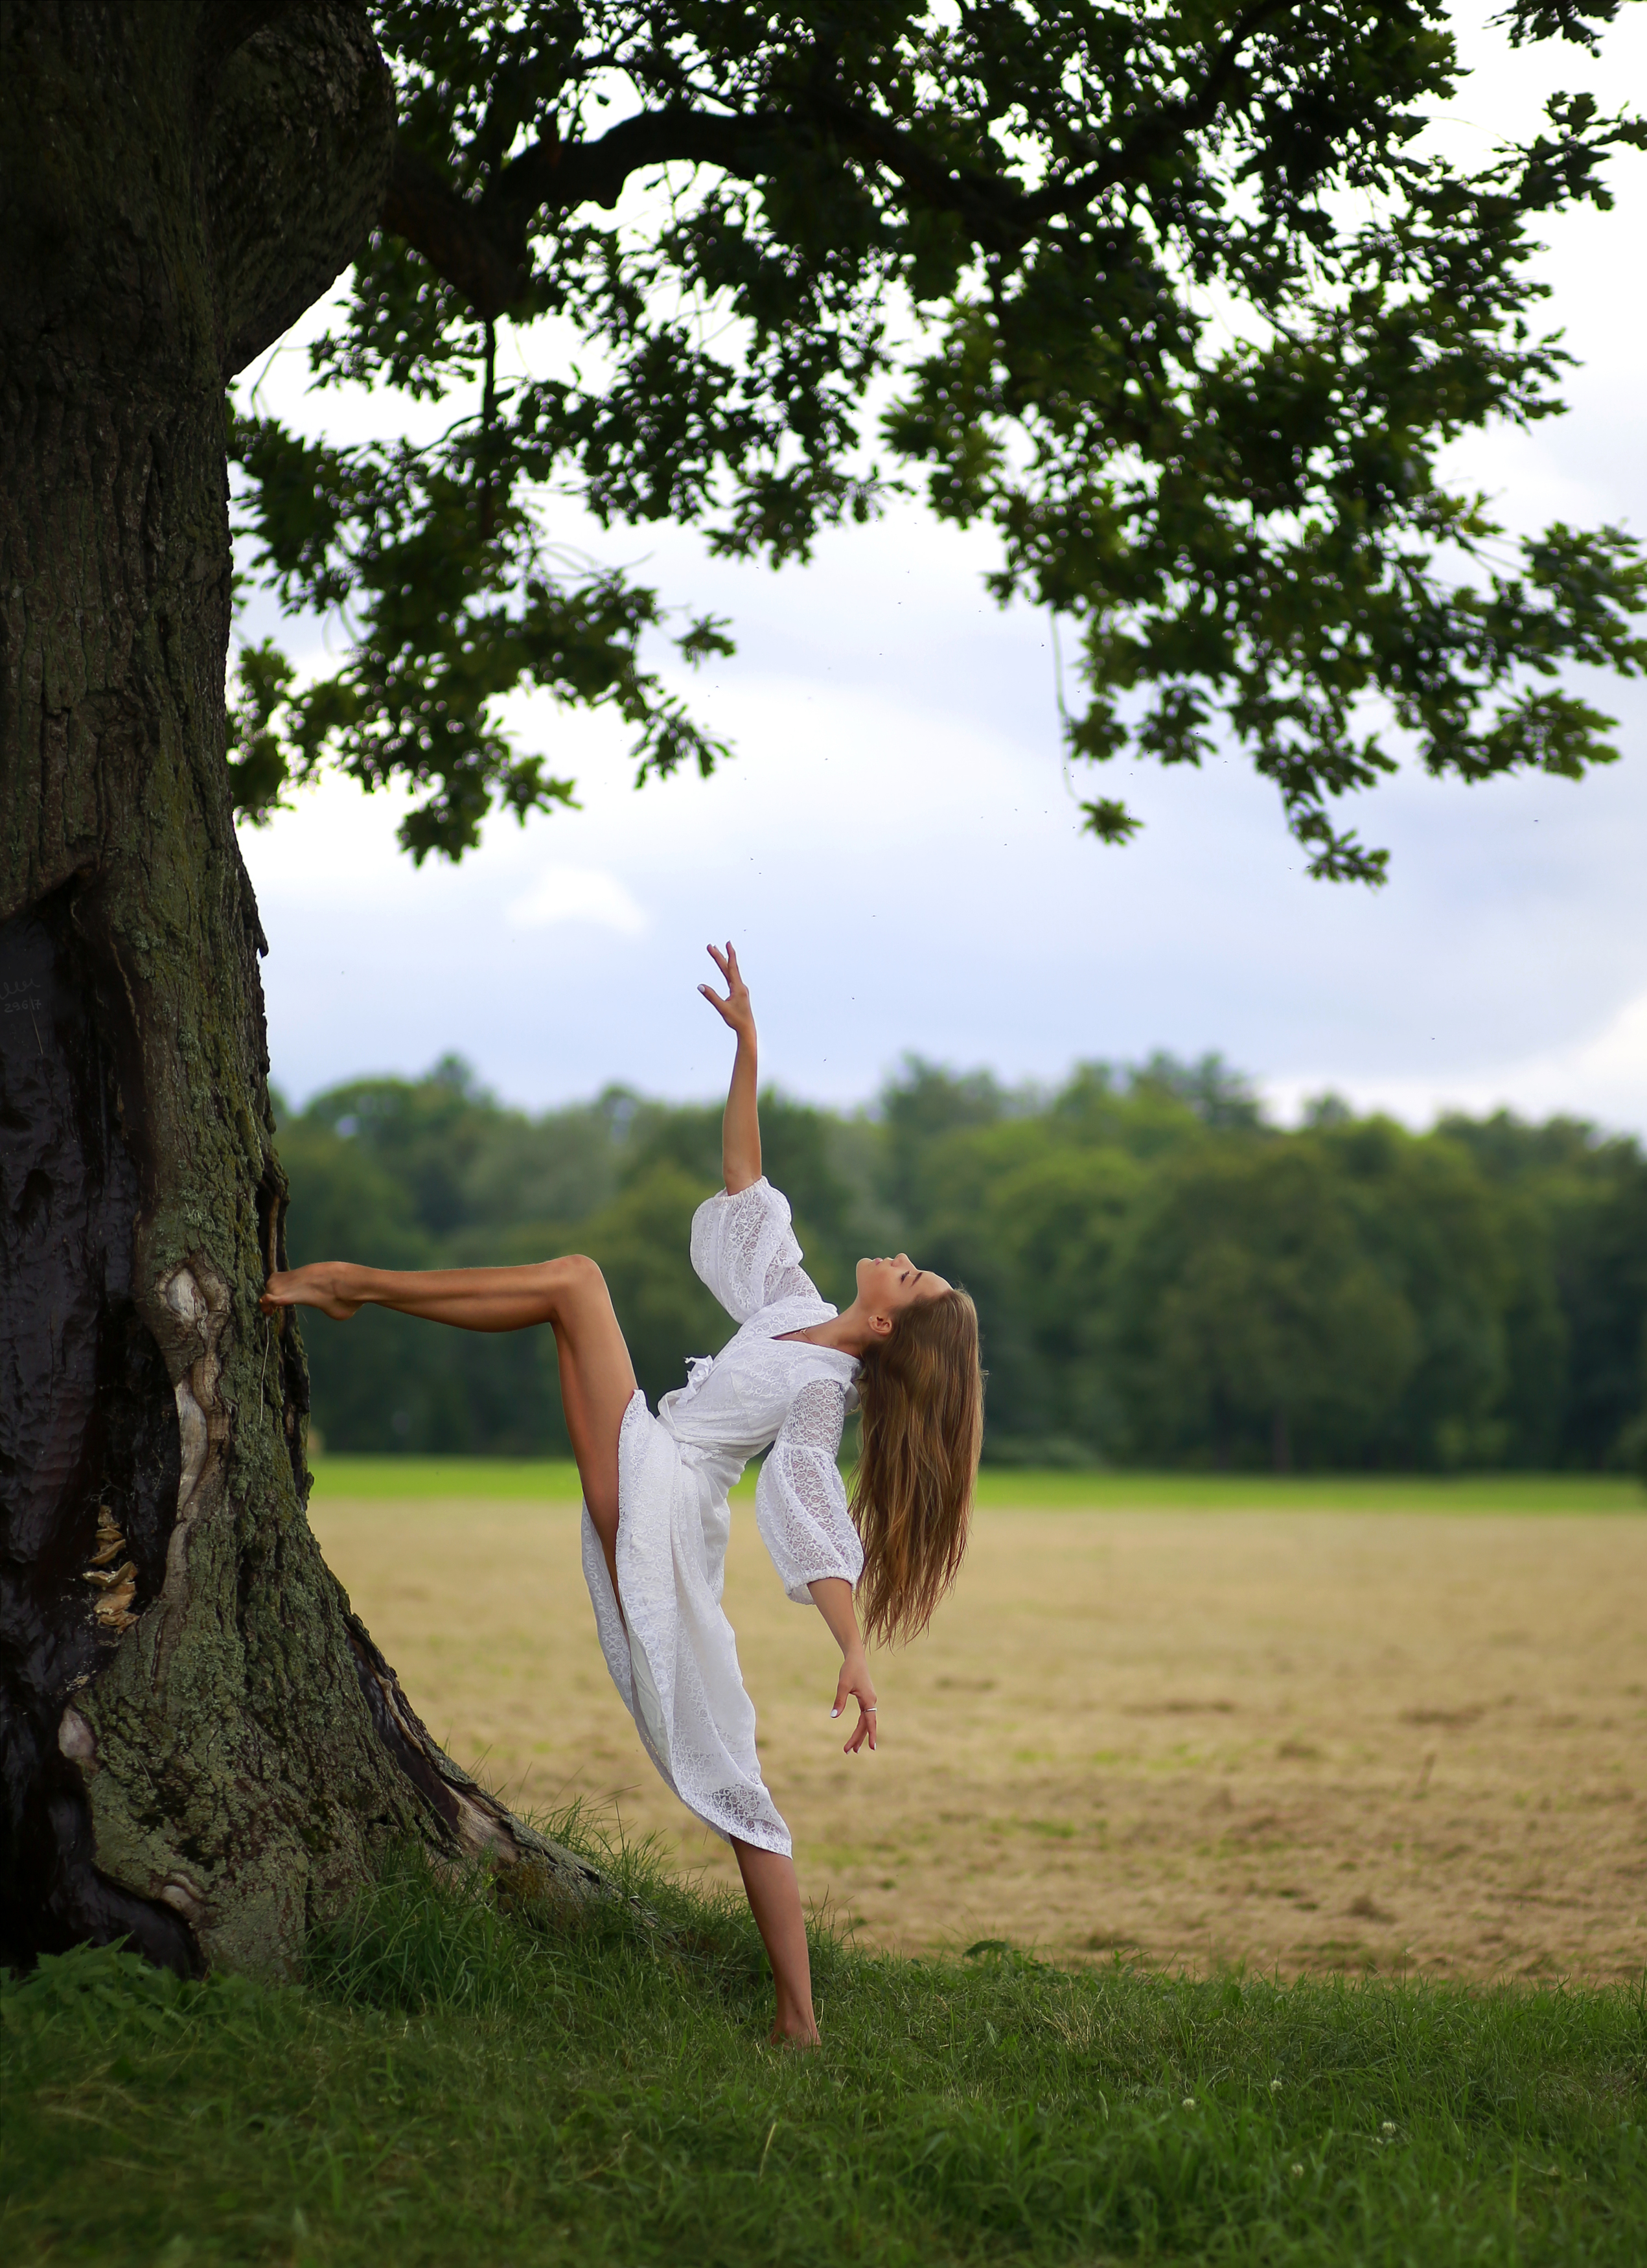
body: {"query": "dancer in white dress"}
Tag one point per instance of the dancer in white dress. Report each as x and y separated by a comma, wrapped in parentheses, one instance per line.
(656, 1515)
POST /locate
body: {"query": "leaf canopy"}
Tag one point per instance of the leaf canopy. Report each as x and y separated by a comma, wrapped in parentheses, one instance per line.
(1174, 297)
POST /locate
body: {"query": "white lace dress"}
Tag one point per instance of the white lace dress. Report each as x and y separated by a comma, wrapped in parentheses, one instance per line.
(676, 1664)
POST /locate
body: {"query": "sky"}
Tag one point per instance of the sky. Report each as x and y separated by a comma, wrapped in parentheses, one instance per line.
(896, 848)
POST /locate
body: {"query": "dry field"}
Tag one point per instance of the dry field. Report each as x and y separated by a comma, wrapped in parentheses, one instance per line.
(1298, 1738)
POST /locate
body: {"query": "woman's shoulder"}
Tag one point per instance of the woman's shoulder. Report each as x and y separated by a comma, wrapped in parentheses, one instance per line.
(821, 1393)
(758, 1196)
(815, 1372)
(740, 1218)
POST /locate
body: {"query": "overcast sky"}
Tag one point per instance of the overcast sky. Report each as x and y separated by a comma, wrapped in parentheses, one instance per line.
(895, 848)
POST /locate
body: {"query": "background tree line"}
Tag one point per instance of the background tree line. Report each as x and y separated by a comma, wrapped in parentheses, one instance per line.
(1163, 1277)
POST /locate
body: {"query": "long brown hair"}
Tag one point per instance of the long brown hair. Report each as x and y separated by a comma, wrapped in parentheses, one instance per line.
(922, 1394)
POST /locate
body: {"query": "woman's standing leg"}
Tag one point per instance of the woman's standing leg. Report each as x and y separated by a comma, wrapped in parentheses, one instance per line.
(774, 1900)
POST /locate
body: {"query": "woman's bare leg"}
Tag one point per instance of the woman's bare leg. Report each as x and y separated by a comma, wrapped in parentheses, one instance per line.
(570, 1295)
(774, 1900)
(597, 1387)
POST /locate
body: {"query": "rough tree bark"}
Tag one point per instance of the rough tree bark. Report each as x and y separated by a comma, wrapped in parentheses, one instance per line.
(201, 1749)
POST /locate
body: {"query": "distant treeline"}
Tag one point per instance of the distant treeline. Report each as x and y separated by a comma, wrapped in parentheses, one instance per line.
(1163, 1277)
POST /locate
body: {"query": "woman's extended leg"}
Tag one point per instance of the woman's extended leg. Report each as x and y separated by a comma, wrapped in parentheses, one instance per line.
(774, 1900)
(570, 1295)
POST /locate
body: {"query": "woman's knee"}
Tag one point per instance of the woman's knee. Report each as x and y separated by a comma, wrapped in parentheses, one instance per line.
(572, 1282)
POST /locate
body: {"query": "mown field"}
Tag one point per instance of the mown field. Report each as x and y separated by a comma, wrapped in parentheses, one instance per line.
(1310, 1725)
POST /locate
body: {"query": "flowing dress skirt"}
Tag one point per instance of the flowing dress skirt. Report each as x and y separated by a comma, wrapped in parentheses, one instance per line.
(676, 1664)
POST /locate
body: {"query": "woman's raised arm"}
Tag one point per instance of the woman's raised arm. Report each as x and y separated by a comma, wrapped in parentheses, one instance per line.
(740, 1128)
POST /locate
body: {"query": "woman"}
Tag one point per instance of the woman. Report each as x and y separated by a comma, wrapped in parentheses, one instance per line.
(655, 1488)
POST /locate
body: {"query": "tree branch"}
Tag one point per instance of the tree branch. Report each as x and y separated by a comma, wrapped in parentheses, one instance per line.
(562, 175)
(1155, 134)
(481, 247)
(226, 26)
(298, 161)
(490, 269)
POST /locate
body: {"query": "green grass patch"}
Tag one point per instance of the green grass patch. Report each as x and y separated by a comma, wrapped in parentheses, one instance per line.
(386, 1479)
(459, 2082)
(1029, 1490)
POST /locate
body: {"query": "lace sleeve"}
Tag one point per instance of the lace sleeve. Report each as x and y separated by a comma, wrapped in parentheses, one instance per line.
(744, 1249)
(800, 1497)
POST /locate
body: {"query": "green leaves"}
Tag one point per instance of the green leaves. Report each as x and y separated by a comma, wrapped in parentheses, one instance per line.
(1170, 296)
(257, 763)
(1109, 821)
(457, 601)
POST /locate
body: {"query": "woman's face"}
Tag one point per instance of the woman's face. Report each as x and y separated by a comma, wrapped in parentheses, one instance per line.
(886, 1287)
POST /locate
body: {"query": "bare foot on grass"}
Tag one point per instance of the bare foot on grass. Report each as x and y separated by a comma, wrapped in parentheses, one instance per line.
(321, 1285)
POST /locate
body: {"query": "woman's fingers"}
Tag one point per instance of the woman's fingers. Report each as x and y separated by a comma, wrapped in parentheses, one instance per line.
(848, 1688)
(727, 963)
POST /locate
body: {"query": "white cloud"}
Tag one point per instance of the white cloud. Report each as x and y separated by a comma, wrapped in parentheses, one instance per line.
(580, 894)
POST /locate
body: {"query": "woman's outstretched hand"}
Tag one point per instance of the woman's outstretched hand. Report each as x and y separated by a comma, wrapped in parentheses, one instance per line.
(856, 1684)
(735, 1010)
(740, 1128)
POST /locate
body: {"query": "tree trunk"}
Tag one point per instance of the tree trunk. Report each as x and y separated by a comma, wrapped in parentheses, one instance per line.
(201, 1749)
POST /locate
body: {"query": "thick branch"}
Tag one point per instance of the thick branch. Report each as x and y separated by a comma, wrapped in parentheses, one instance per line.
(562, 175)
(298, 163)
(482, 248)
(225, 25)
(487, 268)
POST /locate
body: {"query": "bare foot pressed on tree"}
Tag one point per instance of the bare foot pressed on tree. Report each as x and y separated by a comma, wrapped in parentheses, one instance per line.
(317, 1285)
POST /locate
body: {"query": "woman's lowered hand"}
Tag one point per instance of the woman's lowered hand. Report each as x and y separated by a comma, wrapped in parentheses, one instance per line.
(856, 1684)
(832, 1594)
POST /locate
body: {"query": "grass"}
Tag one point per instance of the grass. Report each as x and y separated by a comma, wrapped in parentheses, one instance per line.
(506, 1479)
(458, 2082)
(1010, 1487)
